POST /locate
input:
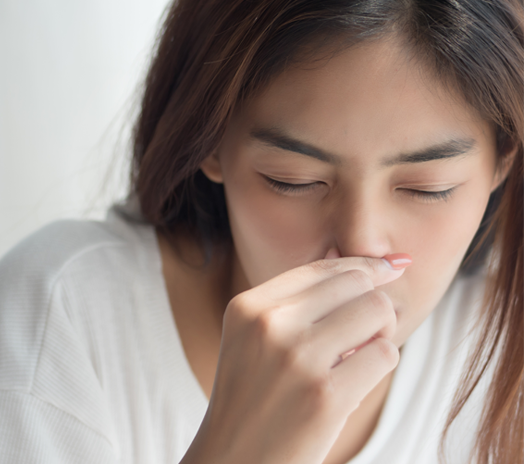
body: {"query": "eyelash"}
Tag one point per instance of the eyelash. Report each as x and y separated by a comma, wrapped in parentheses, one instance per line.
(284, 187)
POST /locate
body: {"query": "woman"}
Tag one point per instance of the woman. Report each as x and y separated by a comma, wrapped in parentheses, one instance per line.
(319, 190)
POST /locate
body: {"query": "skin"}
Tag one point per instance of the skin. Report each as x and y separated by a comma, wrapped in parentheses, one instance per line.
(364, 105)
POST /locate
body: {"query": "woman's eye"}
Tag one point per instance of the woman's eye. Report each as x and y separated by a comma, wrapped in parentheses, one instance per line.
(426, 196)
(431, 196)
(284, 187)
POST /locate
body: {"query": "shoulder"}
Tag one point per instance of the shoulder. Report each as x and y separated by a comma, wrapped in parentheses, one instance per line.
(60, 289)
(54, 246)
(32, 272)
(59, 282)
(61, 246)
(93, 254)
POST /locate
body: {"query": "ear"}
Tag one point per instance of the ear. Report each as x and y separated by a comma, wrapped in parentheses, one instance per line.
(504, 166)
(212, 169)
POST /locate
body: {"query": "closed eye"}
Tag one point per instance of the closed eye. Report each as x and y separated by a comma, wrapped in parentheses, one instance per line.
(285, 187)
(430, 196)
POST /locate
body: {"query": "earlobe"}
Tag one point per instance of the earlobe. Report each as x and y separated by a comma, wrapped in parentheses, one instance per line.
(212, 169)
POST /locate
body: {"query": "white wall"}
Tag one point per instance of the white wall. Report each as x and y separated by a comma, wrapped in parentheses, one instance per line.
(69, 70)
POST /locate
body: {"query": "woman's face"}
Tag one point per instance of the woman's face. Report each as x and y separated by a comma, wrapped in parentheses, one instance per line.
(364, 134)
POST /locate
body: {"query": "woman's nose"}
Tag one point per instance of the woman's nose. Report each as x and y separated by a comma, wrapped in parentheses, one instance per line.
(363, 228)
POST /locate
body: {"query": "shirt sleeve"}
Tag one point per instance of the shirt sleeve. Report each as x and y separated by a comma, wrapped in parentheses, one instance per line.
(53, 408)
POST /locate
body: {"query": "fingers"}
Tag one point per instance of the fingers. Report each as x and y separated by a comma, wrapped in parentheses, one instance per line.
(353, 324)
(317, 301)
(299, 279)
(369, 365)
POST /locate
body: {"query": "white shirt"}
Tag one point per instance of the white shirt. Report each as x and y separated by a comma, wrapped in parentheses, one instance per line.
(92, 369)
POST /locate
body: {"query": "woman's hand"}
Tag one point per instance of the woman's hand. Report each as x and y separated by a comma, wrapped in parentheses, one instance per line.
(285, 383)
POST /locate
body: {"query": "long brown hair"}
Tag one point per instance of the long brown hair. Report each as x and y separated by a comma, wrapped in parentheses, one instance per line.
(212, 54)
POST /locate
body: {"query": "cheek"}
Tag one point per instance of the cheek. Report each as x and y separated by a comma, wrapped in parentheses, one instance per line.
(443, 237)
(271, 234)
(437, 243)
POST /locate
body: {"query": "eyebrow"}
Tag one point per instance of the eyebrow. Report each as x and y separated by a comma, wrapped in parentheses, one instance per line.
(447, 150)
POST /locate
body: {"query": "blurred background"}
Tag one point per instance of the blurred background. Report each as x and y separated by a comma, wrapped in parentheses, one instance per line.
(70, 76)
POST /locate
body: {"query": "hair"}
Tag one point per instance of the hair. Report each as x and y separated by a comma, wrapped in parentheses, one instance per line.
(213, 54)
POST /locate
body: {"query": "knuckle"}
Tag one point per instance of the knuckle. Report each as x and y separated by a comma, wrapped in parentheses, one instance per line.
(320, 391)
(323, 266)
(240, 300)
(237, 308)
(361, 280)
(372, 264)
(263, 325)
(381, 302)
(387, 351)
(292, 358)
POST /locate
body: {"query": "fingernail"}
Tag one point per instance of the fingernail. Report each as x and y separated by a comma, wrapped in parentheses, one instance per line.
(347, 353)
(397, 261)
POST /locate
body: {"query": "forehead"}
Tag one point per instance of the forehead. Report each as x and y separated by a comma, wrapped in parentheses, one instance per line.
(371, 99)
